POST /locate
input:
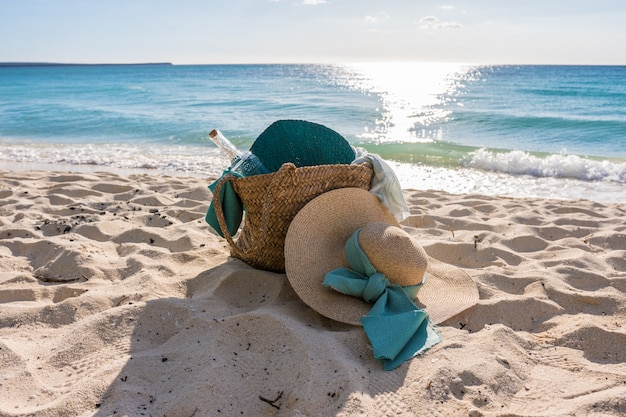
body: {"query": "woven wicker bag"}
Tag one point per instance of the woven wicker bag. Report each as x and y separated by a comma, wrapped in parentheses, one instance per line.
(272, 201)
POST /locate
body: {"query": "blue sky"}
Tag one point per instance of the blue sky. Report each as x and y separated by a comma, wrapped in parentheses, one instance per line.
(314, 31)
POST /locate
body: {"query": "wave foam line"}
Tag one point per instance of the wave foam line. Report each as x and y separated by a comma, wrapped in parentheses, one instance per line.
(555, 165)
(204, 161)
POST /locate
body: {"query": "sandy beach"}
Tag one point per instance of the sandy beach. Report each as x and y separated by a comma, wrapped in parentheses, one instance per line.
(117, 300)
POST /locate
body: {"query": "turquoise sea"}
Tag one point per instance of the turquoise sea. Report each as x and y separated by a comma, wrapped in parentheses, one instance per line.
(519, 131)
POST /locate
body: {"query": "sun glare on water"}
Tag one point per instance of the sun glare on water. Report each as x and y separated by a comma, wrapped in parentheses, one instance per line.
(410, 94)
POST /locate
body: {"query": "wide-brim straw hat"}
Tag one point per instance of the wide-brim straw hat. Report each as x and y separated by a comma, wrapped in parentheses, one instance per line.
(314, 245)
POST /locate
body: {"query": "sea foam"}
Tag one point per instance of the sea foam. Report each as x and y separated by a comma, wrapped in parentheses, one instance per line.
(554, 165)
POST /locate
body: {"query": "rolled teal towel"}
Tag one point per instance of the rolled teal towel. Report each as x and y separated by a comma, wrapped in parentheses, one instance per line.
(232, 206)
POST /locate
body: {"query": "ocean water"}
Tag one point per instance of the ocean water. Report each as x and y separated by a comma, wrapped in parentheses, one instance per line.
(518, 131)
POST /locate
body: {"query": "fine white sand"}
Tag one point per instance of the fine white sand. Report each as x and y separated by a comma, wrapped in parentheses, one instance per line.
(116, 300)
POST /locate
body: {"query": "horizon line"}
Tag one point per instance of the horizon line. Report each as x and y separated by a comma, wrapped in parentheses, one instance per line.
(45, 63)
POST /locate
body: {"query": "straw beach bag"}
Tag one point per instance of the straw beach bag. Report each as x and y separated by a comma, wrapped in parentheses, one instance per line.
(272, 200)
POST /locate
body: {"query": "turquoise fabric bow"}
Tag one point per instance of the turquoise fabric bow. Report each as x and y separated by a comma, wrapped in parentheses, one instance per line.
(397, 329)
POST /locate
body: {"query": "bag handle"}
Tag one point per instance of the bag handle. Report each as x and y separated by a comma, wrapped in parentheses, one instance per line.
(277, 181)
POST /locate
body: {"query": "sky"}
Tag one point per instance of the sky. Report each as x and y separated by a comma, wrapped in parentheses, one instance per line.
(314, 31)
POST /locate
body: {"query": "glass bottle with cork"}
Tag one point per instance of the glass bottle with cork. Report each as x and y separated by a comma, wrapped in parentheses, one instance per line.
(242, 163)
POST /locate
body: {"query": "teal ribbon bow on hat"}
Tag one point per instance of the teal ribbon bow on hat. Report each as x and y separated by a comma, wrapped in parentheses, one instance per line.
(397, 329)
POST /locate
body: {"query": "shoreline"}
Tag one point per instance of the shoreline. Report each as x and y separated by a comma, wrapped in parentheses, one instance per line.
(117, 299)
(461, 181)
(87, 169)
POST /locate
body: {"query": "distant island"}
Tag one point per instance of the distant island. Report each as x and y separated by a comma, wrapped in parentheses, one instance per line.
(57, 64)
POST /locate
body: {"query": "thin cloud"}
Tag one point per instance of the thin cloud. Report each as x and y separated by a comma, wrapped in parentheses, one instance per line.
(313, 2)
(432, 22)
(449, 25)
(428, 20)
(372, 19)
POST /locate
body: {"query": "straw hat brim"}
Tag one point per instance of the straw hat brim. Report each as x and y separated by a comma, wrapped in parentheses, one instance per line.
(314, 245)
